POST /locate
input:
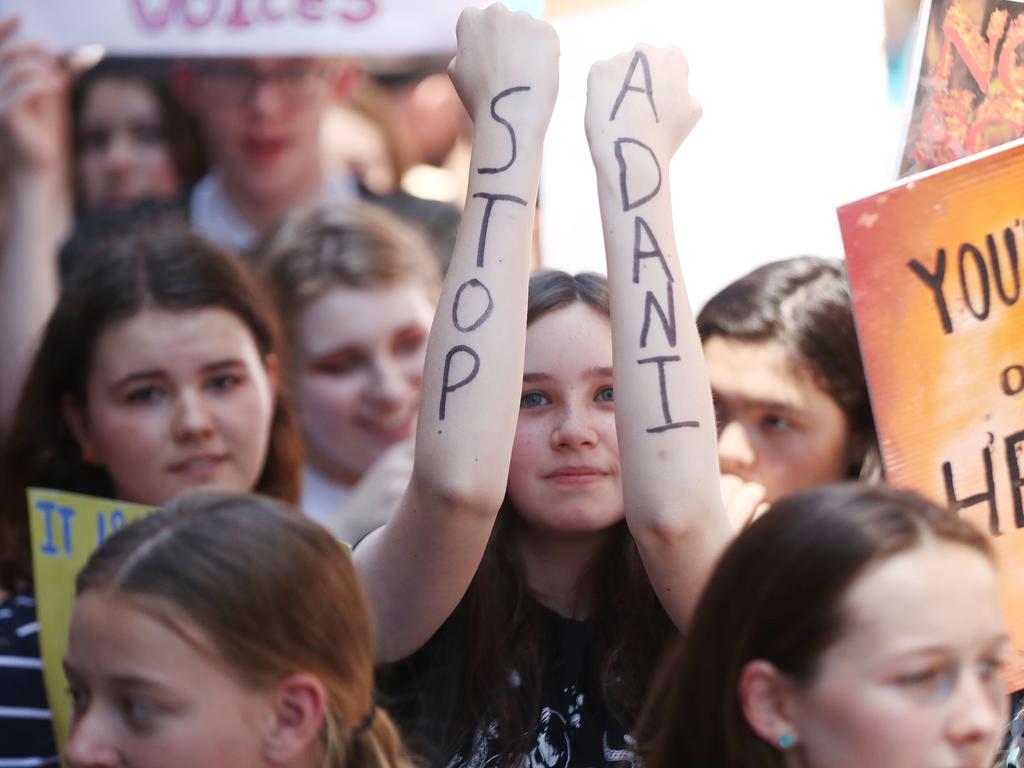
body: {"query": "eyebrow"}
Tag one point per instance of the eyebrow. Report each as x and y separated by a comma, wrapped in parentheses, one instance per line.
(771, 405)
(157, 373)
(597, 372)
(121, 681)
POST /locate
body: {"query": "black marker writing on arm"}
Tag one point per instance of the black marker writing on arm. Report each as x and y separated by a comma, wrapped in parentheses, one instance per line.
(663, 412)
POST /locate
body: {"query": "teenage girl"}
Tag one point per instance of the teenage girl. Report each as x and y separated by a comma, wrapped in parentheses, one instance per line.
(200, 637)
(533, 571)
(853, 625)
(156, 375)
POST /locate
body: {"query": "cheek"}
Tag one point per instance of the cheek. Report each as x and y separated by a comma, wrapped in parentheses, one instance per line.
(525, 455)
(129, 434)
(329, 399)
(91, 168)
(158, 165)
(412, 371)
(865, 726)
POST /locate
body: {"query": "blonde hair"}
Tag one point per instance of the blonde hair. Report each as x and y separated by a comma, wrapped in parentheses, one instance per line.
(275, 593)
(357, 245)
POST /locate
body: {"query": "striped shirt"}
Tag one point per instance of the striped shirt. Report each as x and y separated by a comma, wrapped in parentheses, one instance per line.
(26, 730)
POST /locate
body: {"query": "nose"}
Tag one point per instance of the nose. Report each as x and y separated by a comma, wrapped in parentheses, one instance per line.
(192, 417)
(388, 386)
(736, 455)
(265, 94)
(574, 429)
(120, 151)
(89, 743)
(979, 712)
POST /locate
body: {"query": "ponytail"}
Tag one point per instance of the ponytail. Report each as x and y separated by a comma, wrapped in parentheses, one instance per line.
(374, 743)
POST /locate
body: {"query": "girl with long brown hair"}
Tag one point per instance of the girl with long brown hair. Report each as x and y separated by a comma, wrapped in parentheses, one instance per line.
(532, 573)
(156, 375)
(852, 625)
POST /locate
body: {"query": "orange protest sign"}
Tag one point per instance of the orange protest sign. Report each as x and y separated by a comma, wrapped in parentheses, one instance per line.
(935, 269)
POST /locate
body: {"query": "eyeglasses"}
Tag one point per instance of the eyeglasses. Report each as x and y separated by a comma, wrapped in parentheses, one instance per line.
(236, 81)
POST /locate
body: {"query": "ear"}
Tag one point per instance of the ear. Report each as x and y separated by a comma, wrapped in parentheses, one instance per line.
(74, 417)
(344, 80)
(766, 699)
(299, 704)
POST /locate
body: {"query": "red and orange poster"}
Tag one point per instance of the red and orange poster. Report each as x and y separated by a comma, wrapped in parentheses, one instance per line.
(969, 81)
(935, 269)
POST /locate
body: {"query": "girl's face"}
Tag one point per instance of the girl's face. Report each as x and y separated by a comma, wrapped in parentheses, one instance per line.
(360, 367)
(564, 474)
(176, 401)
(150, 693)
(914, 680)
(124, 156)
(776, 427)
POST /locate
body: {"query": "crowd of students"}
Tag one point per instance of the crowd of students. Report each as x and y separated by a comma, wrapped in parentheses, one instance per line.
(586, 527)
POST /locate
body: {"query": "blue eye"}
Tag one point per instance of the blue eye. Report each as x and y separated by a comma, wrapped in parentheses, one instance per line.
(605, 395)
(776, 423)
(932, 684)
(223, 382)
(990, 668)
(921, 677)
(138, 712)
(533, 400)
(144, 395)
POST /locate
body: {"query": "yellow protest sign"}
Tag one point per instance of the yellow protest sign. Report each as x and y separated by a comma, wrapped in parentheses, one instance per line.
(66, 528)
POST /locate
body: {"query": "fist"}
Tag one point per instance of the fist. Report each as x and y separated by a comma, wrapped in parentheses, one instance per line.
(499, 50)
(642, 95)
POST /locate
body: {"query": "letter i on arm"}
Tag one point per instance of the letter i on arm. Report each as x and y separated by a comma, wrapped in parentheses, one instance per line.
(638, 112)
(418, 566)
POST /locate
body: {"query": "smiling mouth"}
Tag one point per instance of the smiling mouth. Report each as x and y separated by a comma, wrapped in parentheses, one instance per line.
(199, 467)
(577, 475)
(392, 430)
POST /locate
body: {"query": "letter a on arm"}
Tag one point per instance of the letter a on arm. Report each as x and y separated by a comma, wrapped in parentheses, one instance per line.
(663, 411)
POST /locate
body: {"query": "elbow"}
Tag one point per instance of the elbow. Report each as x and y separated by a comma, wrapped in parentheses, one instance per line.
(463, 495)
(673, 527)
(659, 531)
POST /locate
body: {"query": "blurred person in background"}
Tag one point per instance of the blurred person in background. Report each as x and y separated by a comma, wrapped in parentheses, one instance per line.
(356, 289)
(263, 121)
(119, 141)
(788, 382)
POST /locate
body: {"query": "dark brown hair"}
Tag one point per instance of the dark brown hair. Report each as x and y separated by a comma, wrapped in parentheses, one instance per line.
(275, 594)
(804, 304)
(161, 265)
(777, 594)
(504, 625)
(178, 128)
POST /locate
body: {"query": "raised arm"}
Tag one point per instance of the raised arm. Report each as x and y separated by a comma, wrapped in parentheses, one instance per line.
(418, 566)
(638, 112)
(33, 164)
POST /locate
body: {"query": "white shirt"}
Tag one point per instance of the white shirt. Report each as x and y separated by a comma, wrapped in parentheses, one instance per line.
(214, 217)
(323, 499)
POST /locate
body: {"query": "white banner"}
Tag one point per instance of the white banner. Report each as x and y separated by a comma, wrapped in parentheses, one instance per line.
(242, 27)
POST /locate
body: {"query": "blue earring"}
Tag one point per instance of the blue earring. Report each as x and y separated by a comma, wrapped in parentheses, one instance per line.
(786, 741)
